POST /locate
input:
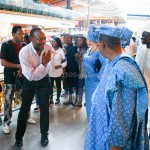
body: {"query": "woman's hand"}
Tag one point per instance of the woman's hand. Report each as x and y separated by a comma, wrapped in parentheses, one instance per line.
(59, 66)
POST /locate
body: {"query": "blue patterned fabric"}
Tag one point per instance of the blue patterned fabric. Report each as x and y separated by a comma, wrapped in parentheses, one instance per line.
(92, 77)
(110, 31)
(93, 34)
(126, 35)
(119, 109)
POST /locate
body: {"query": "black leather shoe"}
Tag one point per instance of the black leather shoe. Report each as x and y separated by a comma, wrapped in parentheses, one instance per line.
(18, 143)
(44, 140)
(68, 103)
(57, 101)
(77, 105)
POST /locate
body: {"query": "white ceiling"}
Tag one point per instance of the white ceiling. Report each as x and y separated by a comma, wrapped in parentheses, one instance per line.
(118, 9)
(135, 7)
(133, 14)
(103, 7)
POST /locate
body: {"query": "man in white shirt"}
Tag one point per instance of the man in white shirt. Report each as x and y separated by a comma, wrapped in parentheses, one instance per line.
(34, 60)
(143, 60)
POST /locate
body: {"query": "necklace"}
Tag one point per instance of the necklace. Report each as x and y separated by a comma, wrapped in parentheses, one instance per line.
(91, 52)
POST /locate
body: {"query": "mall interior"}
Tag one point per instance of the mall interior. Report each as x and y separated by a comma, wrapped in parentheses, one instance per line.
(68, 125)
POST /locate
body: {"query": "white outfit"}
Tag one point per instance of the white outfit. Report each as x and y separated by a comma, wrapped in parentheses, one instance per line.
(143, 60)
(55, 61)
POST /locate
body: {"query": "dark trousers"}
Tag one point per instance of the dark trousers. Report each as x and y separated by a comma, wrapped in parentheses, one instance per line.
(42, 87)
(58, 86)
(72, 82)
(65, 84)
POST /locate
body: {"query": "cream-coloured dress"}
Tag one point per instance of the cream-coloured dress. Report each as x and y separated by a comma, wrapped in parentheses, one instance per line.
(143, 60)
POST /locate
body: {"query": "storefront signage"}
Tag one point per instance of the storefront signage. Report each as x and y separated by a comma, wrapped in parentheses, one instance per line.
(32, 20)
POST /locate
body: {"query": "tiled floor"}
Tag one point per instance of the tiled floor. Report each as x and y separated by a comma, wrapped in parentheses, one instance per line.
(67, 130)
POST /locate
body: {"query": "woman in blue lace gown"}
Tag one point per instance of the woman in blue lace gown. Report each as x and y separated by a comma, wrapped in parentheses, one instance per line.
(119, 113)
(92, 74)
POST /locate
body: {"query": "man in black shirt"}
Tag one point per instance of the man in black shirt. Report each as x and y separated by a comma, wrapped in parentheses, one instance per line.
(10, 60)
(72, 69)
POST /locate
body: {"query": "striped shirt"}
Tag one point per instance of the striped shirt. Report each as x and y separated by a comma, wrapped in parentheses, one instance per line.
(31, 63)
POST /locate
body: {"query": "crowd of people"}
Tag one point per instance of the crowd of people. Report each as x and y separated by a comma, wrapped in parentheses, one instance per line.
(107, 65)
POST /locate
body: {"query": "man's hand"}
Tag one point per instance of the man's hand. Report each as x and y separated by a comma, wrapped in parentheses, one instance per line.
(46, 58)
(19, 73)
(77, 55)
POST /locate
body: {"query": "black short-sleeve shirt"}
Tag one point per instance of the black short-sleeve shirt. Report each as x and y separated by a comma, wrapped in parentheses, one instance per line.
(10, 53)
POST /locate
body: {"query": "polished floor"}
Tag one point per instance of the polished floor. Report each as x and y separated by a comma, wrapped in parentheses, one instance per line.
(67, 130)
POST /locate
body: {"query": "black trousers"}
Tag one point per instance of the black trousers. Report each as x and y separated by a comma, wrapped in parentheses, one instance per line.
(58, 86)
(43, 92)
(72, 79)
(65, 83)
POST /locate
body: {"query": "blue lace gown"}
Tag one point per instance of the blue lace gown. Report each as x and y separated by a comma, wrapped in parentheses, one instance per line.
(119, 109)
(92, 78)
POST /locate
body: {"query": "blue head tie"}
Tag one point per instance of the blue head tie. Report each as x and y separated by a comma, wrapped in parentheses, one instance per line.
(110, 31)
(126, 35)
(93, 33)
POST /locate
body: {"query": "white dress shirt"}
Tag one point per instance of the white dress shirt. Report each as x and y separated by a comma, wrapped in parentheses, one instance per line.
(55, 61)
(31, 63)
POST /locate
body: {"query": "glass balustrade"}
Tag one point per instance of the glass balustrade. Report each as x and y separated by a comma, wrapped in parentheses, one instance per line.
(28, 6)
